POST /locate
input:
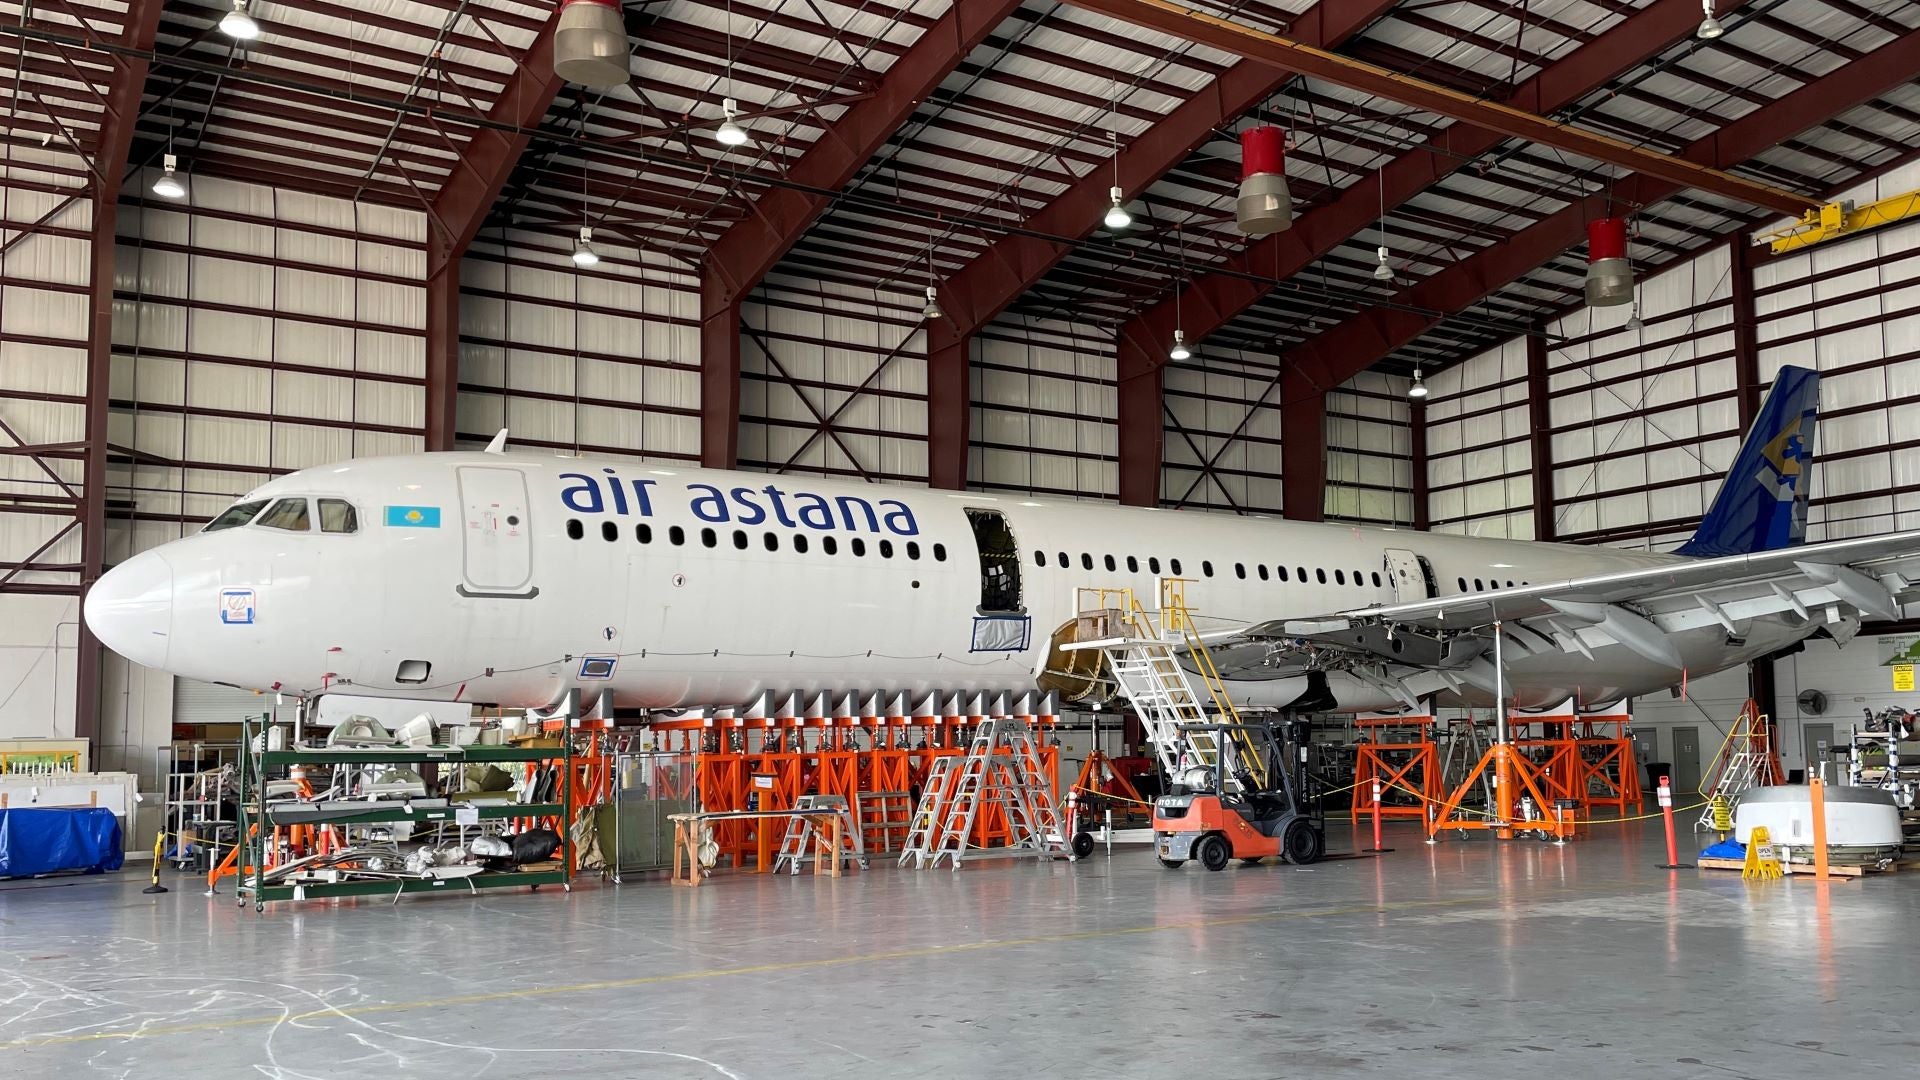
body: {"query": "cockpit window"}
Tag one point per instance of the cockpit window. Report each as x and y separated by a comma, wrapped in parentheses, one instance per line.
(288, 514)
(235, 516)
(337, 516)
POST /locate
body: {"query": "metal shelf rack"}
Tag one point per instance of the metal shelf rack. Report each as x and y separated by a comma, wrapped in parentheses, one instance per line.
(259, 817)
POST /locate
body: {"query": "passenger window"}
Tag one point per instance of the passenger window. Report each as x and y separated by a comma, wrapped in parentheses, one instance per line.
(288, 514)
(1086, 561)
(707, 538)
(1133, 565)
(1301, 571)
(1478, 585)
(939, 553)
(1282, 571)
(1376, 579)
(829, 545)
(1263, 571)
(1065, 563)
(609, 531)
(337, 516)
(913, 549)
(1153, 564)
(1111, 565)
(574, 529)
(1240, 571)
(1206, 567)
(1463, 584)
(1174, 565)
(676, 535)
(740, 539)
(1339, 577)
(800, 543)
(772, 540)
(1039, 558)
(235, 516)
(643, 532)
(886, 549)
(858, 547)
(1320, 575)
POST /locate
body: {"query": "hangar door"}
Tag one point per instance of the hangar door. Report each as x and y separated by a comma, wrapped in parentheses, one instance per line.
(497, 545)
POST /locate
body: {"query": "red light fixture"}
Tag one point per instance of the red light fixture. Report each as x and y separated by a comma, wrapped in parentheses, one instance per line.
(590, 44)
(1609, 274)
(1265, 205)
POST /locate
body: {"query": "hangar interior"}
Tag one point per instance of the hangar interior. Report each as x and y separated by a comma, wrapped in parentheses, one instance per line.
(981, 245)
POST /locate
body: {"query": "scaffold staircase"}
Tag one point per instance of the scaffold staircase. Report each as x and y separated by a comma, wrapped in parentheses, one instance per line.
(1144, 659)
(958, 788)
(1746, 759)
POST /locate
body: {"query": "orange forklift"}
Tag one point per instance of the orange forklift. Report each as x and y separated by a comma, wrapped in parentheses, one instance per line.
(1237, 798)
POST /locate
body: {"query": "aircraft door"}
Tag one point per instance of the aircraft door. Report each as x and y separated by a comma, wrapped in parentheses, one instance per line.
(496, 538)
(999, 561)
(1408, 572)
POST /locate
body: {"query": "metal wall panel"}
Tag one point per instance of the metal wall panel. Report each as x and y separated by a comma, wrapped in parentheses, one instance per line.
(1479, 457)
(833, 382)
(1044, 410)
(602, 360)
(1222, 432)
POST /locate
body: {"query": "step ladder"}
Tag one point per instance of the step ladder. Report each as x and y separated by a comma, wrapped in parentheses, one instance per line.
(886, 817)
(806, 835)
(959, 788)
(1745, 760)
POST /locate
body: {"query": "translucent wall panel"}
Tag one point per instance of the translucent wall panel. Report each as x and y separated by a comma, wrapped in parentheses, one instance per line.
(1044, 410)
(600, 360)
(1221, 445)
(1479, 457)
(1369, 451)
(833, 382)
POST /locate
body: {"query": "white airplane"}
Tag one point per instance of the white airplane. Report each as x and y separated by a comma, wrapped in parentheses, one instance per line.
(513, 578)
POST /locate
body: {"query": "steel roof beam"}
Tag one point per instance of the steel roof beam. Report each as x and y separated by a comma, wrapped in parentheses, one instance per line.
(138, 27)
(459, 210)
(742, 257)
(1329, 359)
(988, 285)
(1513, 120)
(1215, 299)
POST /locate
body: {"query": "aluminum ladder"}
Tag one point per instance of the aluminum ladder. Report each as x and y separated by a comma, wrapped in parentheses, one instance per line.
(804, 834)
(928, 817)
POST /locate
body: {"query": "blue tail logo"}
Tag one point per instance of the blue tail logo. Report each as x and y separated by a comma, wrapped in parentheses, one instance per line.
(1762, 503)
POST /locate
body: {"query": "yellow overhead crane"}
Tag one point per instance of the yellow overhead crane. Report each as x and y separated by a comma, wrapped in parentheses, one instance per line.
(1837, 219)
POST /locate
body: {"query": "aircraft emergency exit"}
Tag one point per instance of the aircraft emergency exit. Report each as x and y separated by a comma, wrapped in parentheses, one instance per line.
(512, 578)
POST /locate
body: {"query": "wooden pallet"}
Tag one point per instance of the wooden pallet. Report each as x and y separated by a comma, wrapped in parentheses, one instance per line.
(1833, 869)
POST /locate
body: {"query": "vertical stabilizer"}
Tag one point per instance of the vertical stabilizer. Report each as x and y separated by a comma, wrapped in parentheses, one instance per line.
(1762, 503)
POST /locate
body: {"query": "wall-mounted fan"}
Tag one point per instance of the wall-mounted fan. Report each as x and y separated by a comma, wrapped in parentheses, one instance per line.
(1812, 702)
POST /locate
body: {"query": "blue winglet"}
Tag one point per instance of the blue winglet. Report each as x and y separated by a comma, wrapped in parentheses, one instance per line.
(1762, 503)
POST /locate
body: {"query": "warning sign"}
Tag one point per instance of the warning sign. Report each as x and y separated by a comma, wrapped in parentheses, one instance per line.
(1903, 677)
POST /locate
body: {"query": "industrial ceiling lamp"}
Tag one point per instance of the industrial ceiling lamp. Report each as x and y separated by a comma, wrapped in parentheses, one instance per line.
(239, 25)
(1264, 205)
(583, 253)
(1609, 274)
(730, 132)
(1384, 270)
(590, 44)
(1117, 216)
(1710, 27)
(1419, 388)
(933, 309)
(1179, 350)
(168, 186)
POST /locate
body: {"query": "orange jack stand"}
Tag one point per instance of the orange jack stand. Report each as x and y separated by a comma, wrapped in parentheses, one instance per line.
(1511, 770)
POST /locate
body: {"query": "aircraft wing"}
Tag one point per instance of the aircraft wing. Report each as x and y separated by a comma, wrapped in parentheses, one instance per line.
(1828, 583)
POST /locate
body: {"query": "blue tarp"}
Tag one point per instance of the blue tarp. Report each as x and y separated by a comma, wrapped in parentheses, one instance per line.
(43, 841)
(1726, 849)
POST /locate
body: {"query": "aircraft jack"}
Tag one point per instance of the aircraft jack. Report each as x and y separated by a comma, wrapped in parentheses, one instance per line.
(1509, 769)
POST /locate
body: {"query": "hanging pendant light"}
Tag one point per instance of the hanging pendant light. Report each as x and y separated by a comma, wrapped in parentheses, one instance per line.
(168, 186)
(730, 132)
(1117, 216)
(1710, 27)
(933, 309)
(1384, 270)
(1419, 388)
(583, 253)
(1179, 350)
(239, 25)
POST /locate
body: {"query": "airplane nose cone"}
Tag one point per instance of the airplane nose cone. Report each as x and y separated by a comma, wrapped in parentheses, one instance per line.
(130, 609)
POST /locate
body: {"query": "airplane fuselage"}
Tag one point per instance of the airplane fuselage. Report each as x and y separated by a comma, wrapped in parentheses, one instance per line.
(510, 578)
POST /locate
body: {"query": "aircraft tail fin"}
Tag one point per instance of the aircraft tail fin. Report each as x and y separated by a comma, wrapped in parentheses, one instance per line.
(1762, 502)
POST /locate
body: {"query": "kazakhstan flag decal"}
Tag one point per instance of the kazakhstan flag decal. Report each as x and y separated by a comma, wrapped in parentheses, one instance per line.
(413, 517)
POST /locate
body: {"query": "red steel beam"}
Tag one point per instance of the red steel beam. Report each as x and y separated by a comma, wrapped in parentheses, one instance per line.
(1311, 60)
(1331, 358)
(990, 283)
(1211, 301)
(461, 208)
(122, 112)
(743, 255)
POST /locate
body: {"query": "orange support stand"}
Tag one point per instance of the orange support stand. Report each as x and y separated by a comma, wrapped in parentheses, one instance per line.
(1099, 778)
(1514, 774)
(1400, 764)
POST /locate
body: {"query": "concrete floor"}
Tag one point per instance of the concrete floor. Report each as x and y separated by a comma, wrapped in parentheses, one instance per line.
(1471, 959)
